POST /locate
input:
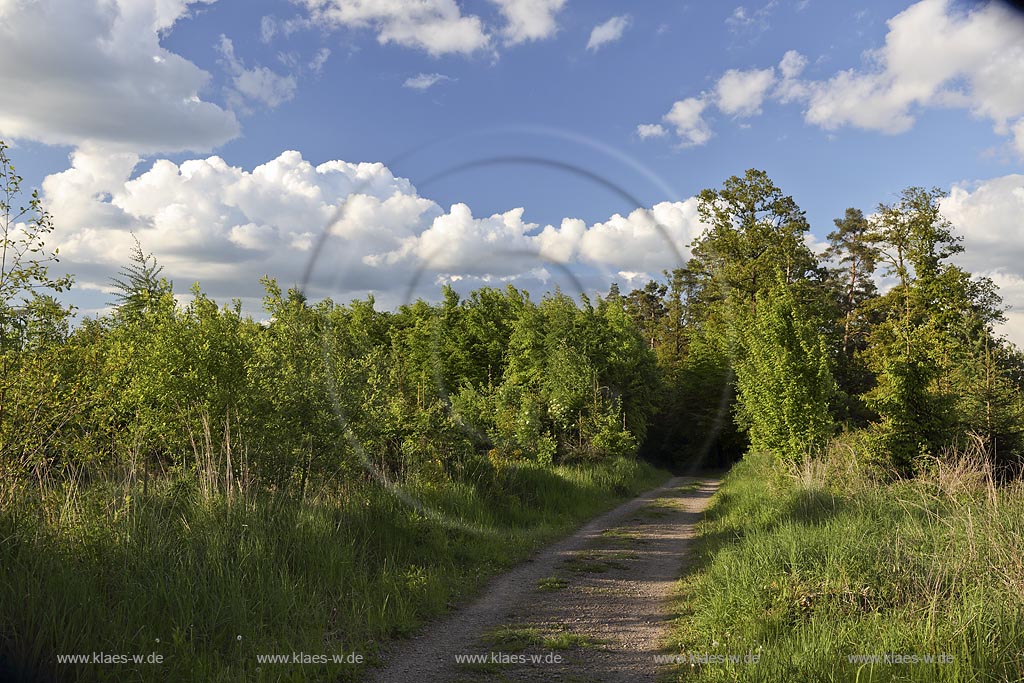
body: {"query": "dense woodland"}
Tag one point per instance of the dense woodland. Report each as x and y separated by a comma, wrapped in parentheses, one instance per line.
(757, 342)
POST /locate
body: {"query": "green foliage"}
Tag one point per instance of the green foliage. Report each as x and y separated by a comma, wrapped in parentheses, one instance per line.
(784, 380)
(31, 323)
(809, 566)
(140, 287)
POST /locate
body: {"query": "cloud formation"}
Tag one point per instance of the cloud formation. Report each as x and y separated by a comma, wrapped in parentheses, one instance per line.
(101, 77)
(608, 32)
(651, 130)
(225, 226)
(439, 27)
(424, 81)
(527, 20)
(687, 119)
(936, 55)
(988, 215)
(740, 93)
(258, 84)
(436, 26)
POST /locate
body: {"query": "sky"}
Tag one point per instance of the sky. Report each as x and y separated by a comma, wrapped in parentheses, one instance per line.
(383, 147)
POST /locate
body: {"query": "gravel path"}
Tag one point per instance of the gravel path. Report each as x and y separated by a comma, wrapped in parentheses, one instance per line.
(592, 607)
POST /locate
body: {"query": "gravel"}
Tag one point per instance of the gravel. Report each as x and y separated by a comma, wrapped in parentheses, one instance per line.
(609, 607)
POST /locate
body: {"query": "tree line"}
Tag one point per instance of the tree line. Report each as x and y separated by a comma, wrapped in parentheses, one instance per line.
(804, 348)
(757, 342)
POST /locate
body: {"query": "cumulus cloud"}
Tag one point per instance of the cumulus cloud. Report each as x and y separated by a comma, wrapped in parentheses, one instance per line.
(99, 75)
(439, 27)
(686, 117)
(209, 221)
(608, 32)
(528, 20)
(1018, 137)
(740, 93)
(648, 240)
(504, 245)
(258, 84)
(435, 26)
(651, 130)
(226, 226)
(790, 88)
(988, 215)
(935, 54)
(424, 81)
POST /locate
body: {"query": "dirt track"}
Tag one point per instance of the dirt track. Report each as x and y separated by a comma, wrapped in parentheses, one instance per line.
(592, 607)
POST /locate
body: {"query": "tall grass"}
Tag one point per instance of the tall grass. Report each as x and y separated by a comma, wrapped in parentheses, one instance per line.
(811, 566)
(209, 581)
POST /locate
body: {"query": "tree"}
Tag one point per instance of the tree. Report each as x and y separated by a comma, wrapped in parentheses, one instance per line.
(784, 380)
(851, 246)
(139, 287)
(24, 269)
(647, 307)
(754, 231)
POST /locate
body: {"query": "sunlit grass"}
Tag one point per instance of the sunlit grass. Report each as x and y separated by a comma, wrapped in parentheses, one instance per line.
(811, 567)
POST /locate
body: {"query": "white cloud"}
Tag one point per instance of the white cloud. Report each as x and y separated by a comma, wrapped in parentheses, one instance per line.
(222, 225)
(436, 26)
(424, 81)
(935, 54)
(505, 245)
(225, 227)
(258, 84)
(740, 93)
(97, 74)
(316, 64)
(792, 65)
(988, 215)
(648, 240)
(528, 20)
(651, 130)
(268, 28)
(743, 19)
(1018, 137)
(608, 32)
(686, 117)
(790, 88)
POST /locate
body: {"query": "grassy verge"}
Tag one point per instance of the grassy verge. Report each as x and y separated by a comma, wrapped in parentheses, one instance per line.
(208, 584)
(805, 572)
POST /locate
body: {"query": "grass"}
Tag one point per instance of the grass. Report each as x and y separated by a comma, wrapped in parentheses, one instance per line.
(812, 567)
(622, 538)
(209, 583)
(551, 583)
(568, 641)
(512, 638)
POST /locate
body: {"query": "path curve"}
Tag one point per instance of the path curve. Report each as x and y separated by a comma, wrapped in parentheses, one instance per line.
(591, 607)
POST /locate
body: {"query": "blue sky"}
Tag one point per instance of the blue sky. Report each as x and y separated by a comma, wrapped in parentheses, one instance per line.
(119, 114)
